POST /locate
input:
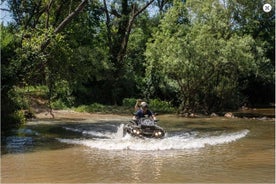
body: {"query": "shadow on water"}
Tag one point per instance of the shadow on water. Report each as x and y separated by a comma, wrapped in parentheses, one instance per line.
(42, 135)
(30, 139)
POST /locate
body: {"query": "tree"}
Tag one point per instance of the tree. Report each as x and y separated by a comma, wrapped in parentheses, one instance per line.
(120, 17)
(9, 43)
(201, 57)
(249, 18)
(41, 48)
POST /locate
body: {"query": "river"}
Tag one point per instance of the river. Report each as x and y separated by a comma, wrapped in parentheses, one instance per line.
(201, 150)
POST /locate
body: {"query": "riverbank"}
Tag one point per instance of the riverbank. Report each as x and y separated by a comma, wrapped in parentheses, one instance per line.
(74, 115)
(40, 110)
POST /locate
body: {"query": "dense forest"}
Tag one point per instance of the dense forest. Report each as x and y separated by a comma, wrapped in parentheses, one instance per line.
(199, 56)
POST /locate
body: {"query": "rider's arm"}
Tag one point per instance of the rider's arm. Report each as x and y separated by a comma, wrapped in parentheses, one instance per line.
(137, 105)
(134, 118)
(152, 115)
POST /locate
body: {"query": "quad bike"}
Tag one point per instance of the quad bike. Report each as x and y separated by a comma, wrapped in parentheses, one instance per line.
(144, 127)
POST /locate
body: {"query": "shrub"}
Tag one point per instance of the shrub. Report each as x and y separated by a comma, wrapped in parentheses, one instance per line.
(58, 104)
(19, 116)
(161, 106)
(13, 120)
(81, 108)
(155, 105)
(95, 107)
(128, 107)
(129, 102)
(18, 98)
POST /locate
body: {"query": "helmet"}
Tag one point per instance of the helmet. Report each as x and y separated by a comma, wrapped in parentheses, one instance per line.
(144, 104)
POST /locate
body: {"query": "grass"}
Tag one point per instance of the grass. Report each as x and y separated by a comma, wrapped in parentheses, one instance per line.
(95, 107)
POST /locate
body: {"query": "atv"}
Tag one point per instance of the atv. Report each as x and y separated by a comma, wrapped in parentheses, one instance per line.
(144, 127)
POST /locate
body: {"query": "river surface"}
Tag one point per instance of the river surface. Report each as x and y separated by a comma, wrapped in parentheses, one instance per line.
(201, 150)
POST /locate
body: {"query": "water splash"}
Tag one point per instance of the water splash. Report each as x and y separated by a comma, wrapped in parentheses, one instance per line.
(93, 133)
(116, 141)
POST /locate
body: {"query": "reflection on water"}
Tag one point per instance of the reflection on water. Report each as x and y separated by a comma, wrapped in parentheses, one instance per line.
(194, 150)
(125, 166)
(18, 144)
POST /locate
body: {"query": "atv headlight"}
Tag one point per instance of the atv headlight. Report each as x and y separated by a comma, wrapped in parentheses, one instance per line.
(136, 131)
(157, 133)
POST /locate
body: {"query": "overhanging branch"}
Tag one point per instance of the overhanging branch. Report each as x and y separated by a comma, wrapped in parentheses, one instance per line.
(65, 22)
(71, 16)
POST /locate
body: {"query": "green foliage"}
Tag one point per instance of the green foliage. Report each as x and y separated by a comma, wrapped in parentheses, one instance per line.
(203, 56)
(60, 95)
(58, 105)
(39, 90)
(95, 107)
(161, 106)
(9, 43)
(11, 102)
(261, 26)
(12, 114)
(13, 120)
(19, 116)
(18, 97)
(7, 38)
(129, 102)
(156, 105)
(198, 55)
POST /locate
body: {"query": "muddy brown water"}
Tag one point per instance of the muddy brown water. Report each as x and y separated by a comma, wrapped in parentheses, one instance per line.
(202, 150)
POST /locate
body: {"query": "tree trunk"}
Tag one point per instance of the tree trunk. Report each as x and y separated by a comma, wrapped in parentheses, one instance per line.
(118, 42)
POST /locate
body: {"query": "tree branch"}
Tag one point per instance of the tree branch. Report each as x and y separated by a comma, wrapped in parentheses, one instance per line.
(71, 16)
(5, 9)
(65, 22)
(143, 8)
(134, 13)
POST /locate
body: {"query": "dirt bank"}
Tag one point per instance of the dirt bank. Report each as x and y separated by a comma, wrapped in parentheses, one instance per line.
(41, 111)
(73, 115)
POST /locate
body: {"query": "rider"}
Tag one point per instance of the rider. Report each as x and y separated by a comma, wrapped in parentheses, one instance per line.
(142, 112)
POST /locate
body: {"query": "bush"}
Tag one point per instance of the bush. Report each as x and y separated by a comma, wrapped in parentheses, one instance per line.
(128, 107)
(58, 104)
(16, 95)
(12, 120)
(155, 105)
(129, 102)
(19, 116)
(63, 92)
(161, 106)
(95, 107)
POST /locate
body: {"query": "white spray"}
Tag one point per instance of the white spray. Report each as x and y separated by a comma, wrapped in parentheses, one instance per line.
(117, 141)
